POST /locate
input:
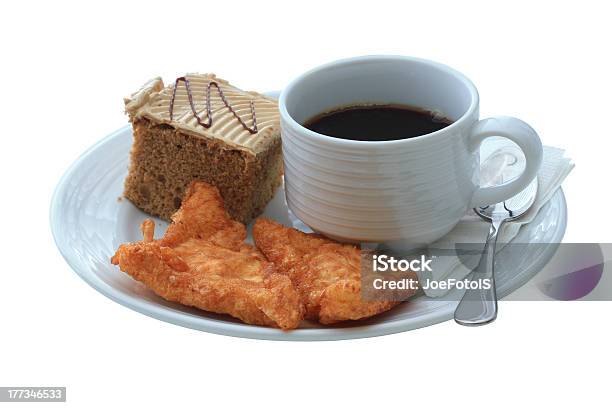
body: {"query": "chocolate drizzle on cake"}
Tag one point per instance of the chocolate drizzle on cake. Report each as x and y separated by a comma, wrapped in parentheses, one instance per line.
(209, 119)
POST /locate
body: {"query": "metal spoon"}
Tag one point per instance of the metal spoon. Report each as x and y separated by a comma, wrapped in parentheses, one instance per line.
(479, 306)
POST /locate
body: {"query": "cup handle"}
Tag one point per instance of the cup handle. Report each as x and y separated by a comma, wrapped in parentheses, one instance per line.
(526, 138)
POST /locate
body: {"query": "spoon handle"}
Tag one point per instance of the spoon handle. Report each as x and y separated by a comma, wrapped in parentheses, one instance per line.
(479, 305)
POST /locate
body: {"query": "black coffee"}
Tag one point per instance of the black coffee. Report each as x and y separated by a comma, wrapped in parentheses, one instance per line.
(376, 122)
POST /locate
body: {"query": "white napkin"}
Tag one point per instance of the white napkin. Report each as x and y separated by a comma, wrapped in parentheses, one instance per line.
(473, 229)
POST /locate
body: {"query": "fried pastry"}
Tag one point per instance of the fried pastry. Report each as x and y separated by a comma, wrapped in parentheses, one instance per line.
(202, 261)
(326, 273)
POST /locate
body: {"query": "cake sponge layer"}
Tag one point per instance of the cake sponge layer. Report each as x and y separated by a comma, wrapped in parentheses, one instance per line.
(164, 160)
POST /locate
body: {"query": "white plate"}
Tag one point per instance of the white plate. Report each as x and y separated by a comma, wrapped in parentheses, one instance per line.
(89, 221)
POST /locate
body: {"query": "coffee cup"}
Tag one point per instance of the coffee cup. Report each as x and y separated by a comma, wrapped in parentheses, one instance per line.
(413, 190)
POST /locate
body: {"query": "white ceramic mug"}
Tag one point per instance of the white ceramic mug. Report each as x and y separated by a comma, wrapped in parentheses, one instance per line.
(414, 190)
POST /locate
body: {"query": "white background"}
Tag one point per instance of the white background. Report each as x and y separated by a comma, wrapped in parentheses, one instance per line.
(64, 70)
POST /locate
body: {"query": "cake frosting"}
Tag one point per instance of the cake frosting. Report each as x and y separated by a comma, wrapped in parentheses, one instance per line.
(257, 126)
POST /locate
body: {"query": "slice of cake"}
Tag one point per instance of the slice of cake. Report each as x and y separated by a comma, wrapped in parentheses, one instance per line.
(203, 128)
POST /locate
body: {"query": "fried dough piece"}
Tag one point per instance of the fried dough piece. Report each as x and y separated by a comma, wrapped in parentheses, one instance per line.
(327, 274)
(202, 261)
(202, 215)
